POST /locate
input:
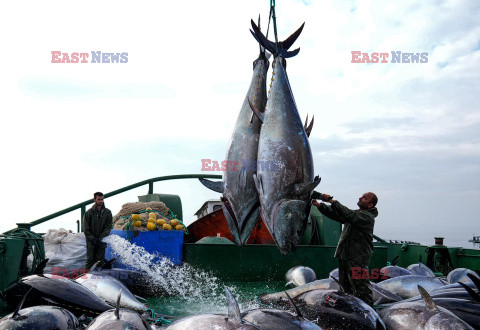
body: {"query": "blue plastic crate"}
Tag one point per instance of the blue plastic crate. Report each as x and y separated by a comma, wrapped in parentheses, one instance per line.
(164, 243)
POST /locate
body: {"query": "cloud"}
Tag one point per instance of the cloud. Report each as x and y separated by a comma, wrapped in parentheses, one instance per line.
(406, 131)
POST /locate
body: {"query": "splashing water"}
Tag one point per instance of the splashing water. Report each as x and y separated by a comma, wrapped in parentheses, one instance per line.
(191, 288)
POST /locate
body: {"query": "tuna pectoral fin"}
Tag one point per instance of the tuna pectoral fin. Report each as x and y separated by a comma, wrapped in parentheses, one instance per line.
(232, 223)
(338, 282)
(233, 309)
(249, 223)
(427, 299)
(117, 305)
(108, 264)
(41, 266)
(258, 184)
(212, 185)
(301, 189)
(308, 127)
(475, 296)
(16, 316)
(395, 260)
(475, 280)
(257, 112)
(295, 307)
(95, 265)
(379, 325)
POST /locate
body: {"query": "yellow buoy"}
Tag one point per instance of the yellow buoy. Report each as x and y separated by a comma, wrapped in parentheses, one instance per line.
(166, 226)
(151, 226)
(174, 222)
(179, 227)
(152, 220)
(160, 222)
(137, 223)
(136, 216)
(148, 209)
(152, 215)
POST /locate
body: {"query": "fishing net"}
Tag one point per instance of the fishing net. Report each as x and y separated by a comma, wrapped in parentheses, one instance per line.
(138, 216)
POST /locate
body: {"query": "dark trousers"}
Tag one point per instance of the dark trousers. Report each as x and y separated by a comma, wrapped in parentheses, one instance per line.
(359, 287)
(95, 253)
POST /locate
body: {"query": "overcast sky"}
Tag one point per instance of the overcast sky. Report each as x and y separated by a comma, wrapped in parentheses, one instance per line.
(410, 132)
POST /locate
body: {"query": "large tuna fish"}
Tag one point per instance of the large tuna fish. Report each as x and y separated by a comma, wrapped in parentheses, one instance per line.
(420, 269)
(270, 318)
(300, 275)
(119, 318)
(139, 283)
(108, 288)
(421, 315)
(215, 321)
(240, 197)
(285, 188)
(39, 317)
(332, 309)
(406, 286)
(393, 271)
(60, 292)
(460, 275)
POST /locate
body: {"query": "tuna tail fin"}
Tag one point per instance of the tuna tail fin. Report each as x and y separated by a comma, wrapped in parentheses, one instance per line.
(427, 299)
(305, 188)
(281, 49)
(41, 267)
(233, 309)
(117, 305)
(475, 296)
(295, 307)
(257, 112)
(213, 185)
(308, 127)
(16, 316)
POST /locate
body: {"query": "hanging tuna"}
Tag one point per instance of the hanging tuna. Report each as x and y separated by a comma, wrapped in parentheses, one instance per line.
(240, 197)
(285, 189)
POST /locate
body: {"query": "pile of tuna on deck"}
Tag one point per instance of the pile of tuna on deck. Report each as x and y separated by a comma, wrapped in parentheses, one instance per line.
(411, 298)
(274, 177)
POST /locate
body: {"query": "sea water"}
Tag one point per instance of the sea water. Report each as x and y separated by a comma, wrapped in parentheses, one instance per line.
(187, 290)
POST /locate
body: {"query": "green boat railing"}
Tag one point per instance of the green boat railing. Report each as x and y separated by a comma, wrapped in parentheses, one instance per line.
(82, 205)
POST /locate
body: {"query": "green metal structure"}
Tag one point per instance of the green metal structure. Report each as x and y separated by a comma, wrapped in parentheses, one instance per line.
(257, 262)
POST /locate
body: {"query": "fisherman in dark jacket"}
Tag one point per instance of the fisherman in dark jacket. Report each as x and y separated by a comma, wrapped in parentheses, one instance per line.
(97, 224)
(355, 247)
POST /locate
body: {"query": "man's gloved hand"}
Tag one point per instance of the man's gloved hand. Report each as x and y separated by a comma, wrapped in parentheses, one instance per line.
(96, 241)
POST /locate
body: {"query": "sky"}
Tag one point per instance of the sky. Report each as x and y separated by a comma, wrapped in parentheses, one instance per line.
(410, 132)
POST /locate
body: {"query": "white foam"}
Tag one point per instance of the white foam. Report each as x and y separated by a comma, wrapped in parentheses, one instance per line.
(181, 281)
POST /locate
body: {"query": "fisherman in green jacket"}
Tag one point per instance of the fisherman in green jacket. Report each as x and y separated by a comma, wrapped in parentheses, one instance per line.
(355, 247)
(97, 224)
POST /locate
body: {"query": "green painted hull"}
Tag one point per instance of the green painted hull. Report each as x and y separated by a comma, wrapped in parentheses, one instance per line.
(265, 263)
